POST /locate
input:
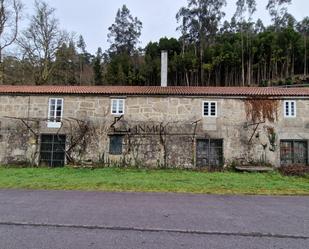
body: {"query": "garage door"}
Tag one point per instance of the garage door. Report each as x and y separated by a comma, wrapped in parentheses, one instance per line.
(52, 152)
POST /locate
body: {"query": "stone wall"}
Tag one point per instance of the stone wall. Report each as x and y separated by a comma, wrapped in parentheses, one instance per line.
(158, 131)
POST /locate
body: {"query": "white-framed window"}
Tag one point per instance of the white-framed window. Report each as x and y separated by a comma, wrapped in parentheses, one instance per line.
(289, 109)
(55, 112)
(210, 109)
(117, 106)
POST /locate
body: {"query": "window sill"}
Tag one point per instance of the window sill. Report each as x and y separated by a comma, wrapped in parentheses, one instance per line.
(54, 125)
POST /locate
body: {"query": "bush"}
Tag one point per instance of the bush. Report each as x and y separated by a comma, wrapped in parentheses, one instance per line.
(294, 170)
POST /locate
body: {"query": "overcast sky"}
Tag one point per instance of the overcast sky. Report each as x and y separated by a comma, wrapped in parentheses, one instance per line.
(91, 18)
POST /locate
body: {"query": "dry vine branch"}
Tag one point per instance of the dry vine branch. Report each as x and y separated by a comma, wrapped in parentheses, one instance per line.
(261, 110)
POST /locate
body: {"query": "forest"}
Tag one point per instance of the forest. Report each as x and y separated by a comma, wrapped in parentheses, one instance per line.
(210, 51)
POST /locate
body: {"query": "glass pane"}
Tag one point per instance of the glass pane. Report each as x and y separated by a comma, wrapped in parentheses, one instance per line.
(52, 115)
(120, 106)
(59, 102)
(213, 109)
(59, 108)
(52, 102)
(45, 147)
(287, 109)
(286, 151)
(206, 109)
(300, 153)
(114, 106)
(52, 150)
(292, 109)
(59, 139)
(46, 156)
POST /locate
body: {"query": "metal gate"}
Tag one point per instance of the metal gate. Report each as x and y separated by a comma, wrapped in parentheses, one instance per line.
(52, 152)
(209, 153)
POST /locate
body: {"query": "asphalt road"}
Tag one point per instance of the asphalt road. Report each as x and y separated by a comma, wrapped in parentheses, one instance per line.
(81, 220)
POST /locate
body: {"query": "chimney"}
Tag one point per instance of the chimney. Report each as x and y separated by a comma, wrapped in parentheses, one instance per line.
(164, 68)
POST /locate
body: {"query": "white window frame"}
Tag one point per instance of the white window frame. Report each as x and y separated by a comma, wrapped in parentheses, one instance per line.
(209, 109)
(54, 124)
(117, 106)
(289, 114)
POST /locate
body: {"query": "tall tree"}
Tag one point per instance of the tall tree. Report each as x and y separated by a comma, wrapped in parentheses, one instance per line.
(245, 7)
(277, 10)
(10, 12)
(124, 34)
(41, 41)
(66, 65)
(303, 28)
(97, 67)
(201, 19)
(82, 57)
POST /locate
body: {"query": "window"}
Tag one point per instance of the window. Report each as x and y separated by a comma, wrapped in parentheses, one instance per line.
(55, 112)
(115, 144)
(52, 152)
(209, 153)
(117, 106)
(294, 152)
(210, 109)
(290, 109)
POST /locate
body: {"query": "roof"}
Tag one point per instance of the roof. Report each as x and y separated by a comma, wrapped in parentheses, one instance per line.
(155, 90)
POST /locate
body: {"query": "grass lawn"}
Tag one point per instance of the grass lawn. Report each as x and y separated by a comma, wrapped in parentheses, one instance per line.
(113, 179)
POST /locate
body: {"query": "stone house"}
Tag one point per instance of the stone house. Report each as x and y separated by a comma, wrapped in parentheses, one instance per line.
(183, 127)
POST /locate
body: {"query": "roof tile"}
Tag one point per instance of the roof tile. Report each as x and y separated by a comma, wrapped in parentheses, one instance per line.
(155, 90)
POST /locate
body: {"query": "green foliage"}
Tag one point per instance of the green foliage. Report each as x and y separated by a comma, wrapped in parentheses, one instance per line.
(98, 75)
(125, 32)
(66, 65)
(181, 181)
(237, 52)
(278, 11)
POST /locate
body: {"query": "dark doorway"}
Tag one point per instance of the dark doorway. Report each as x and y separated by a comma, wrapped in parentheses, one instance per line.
(52, 150)
(294, 152)
(209, 153)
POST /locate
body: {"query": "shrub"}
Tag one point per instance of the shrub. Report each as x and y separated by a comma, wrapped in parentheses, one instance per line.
(294, 170)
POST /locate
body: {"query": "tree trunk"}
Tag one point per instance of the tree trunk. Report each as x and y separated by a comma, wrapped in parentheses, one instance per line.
(242, 60)
(305, 57)
(187, 78)
(201, 66)
(1, 69)
(293, 64)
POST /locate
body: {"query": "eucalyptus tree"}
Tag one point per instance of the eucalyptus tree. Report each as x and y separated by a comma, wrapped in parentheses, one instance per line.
(245, 7)
(81, 44)
(10, 15)
(199, 20)
(259, 26)
(303, 28)
(277, 10)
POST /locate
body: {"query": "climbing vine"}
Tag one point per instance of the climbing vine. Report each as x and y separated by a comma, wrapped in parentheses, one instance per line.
(272, 137)
(261, 110)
